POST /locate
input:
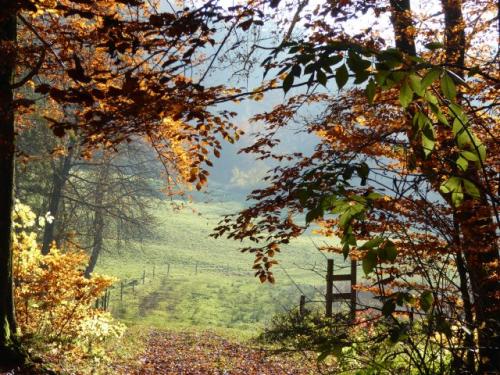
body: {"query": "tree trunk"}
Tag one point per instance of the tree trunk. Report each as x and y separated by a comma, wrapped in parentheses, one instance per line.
(59, 180)
(479, 238)
(98, 216)
(9, 354)
(474, 218)
(402, 22)
(98, 240)
(465, 363)
(481, 255)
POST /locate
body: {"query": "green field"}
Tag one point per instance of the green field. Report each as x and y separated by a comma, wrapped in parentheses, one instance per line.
(201, 282)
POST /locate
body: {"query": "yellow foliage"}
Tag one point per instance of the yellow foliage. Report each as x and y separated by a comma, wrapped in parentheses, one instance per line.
(54, 301)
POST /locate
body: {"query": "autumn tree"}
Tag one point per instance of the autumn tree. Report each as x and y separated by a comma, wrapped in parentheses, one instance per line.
(43, 168)
(112, 70)
(109, 200)
(55, 180)
(405, 170)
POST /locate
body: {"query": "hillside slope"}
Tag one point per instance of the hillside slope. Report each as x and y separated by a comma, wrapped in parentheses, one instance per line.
(193, 280)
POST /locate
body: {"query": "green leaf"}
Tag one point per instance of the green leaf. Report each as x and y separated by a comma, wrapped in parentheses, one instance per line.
(450, 185)
(341, 76)
(430, 77)
(363, 170)
(288, 82)
(303, 195)
(370, 90)
(374, 242)
(347, 173)
(321, 77)
(369, 262)
(314, 214)
(462, 163)
(448, 87)
(434, 45)
(471, 189)
(345, 250)
(356, 63)
(390, 251)
(327, 68)
(418, 59)
(460, 133)
(431, 98)
(481, 151)
(458, 112)
(405, 94)
(420, 120)
(296, 70)
(440, 116)
(457, 197)
(374, 196)
(346, 217)
(358, 198)
(398, 75)
(454, 186)
(310, 68)
(469, 155)
(426, 300)
(415, 84)
(328, 201)
(427, 144)
(388, 307)
(340, 207)
(305, 58)
(381, 76)
(428, 137)
(333, 60)
(361, 76)
(391, 54)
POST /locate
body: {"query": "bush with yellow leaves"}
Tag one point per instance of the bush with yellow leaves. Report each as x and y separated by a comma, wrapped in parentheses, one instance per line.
(54, 301)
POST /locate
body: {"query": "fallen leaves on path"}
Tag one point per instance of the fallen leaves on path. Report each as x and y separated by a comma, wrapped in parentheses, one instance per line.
(206, 353)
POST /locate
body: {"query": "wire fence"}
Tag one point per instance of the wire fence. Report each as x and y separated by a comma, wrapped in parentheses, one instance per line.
(132, 285)
(127, 287)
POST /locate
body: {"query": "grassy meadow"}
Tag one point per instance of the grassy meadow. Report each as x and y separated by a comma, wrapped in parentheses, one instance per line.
(204, 283)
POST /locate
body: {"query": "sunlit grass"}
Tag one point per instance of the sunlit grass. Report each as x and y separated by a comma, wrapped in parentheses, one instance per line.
(210, 284)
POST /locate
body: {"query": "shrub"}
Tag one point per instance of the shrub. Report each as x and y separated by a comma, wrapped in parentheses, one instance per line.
(360, 347)
(54, 301)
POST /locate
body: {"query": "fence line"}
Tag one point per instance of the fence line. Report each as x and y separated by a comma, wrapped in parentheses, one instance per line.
(124, 285)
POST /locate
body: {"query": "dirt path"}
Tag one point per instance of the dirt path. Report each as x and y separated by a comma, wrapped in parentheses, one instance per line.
(206, 354)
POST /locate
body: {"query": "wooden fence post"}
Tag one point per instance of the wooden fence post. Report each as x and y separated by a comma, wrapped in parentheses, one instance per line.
(329, 288)
(196, 269)
(168, 269)
(153, 271)
(353, 291)
(121, 291)
(350, 296)
(302, 305)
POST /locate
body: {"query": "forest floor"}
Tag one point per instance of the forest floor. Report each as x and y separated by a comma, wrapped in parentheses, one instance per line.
(206, 353)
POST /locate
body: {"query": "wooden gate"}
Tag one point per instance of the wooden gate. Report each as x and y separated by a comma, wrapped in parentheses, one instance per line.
(333, 297)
